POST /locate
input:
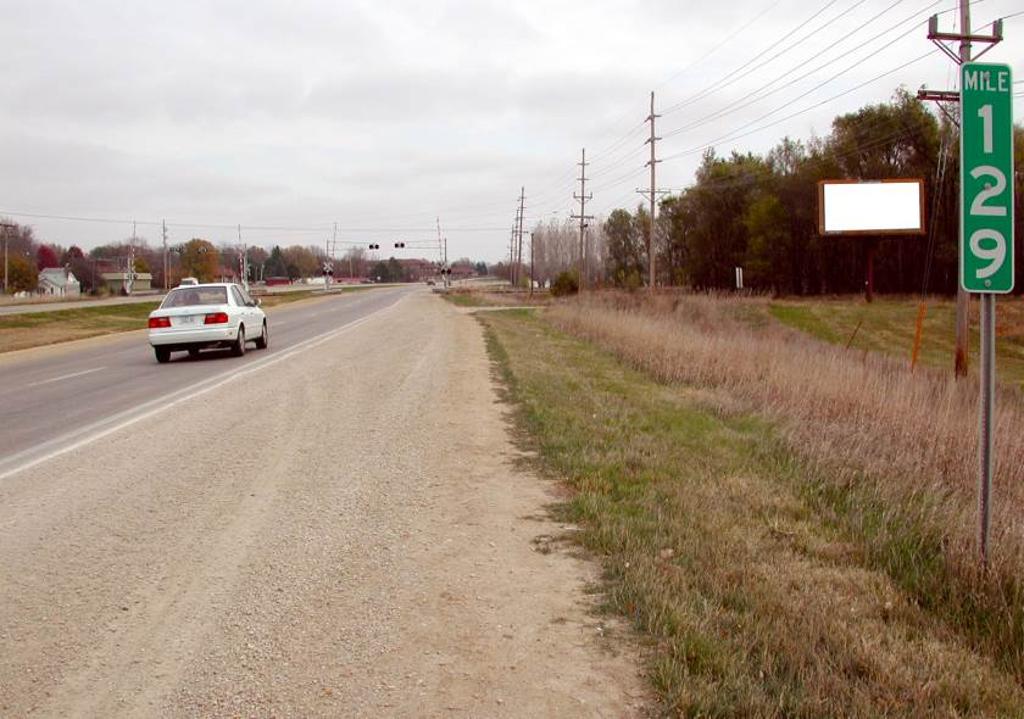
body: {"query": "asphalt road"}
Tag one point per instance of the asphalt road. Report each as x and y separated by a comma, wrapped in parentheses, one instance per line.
(338, 527)
(16, 308)
(54, 395)
(20, 308)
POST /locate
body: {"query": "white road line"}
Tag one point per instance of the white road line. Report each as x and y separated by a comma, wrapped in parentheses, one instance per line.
(65, 376)
(21, 461)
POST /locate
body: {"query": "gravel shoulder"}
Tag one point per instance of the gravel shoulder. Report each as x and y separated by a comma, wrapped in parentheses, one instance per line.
(365, 545)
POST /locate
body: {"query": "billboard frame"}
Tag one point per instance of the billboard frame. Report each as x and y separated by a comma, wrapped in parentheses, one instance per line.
(876, 233)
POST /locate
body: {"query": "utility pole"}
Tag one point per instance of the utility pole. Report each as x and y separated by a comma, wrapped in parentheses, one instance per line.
(583, 216)
(6, 227)
(995, 165)
(531, 264)
(330, 257)
(440, 252)
(519, 257)
(650, 232)
(163, 235)
(965, 38)
(442, 248)
(512, 253)
(243, 260)
(129, 279)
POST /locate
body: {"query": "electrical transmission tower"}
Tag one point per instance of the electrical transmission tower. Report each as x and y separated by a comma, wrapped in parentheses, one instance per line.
(583, 197)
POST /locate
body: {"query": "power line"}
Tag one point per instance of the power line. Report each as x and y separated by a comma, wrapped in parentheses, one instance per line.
(761, 93)
(724, 81)
(729, 137)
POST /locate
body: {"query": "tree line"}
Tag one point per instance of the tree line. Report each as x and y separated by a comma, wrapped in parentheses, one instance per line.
(760, 212)
(199, 258)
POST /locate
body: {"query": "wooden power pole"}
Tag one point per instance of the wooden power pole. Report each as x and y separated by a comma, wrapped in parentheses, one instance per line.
(965, 37)
(651, 250)
(583, 197)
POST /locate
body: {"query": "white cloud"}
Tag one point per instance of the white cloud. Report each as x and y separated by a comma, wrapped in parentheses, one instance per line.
(390, 113)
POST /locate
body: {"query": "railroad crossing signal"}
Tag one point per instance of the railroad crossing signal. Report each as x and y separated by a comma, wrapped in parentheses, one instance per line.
(986, 178)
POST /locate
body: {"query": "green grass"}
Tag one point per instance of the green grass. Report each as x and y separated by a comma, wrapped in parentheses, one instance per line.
(114, 317)
(887, 326)
(749, 576)
(465, 299)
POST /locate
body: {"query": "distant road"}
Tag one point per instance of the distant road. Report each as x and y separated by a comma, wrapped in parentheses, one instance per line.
(53, 394)
(18, 309)
(27, 307)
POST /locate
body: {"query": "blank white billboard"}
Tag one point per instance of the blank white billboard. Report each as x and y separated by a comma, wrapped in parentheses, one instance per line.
(892, 206)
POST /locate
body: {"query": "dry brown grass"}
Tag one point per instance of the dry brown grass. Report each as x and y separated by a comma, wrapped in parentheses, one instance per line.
(755, 601)
(496, 296)
(899, 448)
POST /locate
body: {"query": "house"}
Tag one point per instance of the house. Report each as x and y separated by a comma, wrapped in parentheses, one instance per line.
(58, 282)
(117, 282)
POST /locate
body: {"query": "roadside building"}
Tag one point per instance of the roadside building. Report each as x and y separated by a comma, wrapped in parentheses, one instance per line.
(58, 282)
(463, 271)
(417, 270)
(117, 282)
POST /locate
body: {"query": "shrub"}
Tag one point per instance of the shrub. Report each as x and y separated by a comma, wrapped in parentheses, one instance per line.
(565, 284)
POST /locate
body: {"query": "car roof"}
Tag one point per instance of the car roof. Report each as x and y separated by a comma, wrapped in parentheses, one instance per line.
(206, 284)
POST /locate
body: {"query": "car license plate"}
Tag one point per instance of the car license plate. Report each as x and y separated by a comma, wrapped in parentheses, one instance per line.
(186, 320)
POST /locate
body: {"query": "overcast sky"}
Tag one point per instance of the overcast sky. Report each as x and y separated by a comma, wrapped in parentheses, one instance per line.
(382, 116)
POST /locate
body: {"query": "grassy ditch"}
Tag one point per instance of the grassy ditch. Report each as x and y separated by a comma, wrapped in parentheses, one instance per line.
(33, 329)
(496, 297)
(887, 326)
(747, 568)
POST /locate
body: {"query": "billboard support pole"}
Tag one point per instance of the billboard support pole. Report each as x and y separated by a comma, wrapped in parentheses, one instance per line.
(869, 270)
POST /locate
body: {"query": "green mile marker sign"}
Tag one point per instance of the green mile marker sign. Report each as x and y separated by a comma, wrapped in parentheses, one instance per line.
(986, 178)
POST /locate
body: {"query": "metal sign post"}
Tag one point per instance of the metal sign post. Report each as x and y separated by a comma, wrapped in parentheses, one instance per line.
(986, 234)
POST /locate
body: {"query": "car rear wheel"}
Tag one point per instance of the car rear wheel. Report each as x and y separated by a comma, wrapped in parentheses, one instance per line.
(238, 348)
(163, 355)
(264, 339)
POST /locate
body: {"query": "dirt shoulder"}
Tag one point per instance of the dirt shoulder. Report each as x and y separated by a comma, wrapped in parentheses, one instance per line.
(374, 551)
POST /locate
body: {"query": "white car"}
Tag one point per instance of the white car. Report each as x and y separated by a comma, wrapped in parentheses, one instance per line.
(198, 317)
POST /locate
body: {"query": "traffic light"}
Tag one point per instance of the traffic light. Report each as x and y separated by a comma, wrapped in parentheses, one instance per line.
(374, 247)
(399, 245)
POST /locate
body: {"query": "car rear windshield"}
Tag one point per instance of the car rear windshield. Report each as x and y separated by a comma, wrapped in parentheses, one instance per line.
(189, 296)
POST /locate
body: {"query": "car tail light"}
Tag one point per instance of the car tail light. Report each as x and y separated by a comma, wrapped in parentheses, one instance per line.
(216, 318)
(157, 322)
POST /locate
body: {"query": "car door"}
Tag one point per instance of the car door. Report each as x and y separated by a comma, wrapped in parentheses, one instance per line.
(256, 313)
(243, 310)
